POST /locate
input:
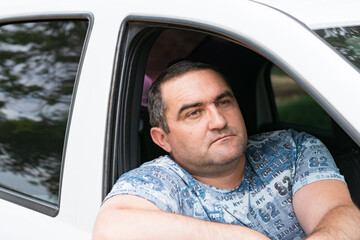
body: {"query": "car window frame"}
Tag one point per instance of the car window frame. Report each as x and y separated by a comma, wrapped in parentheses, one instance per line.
(121, 139)
(118, 141)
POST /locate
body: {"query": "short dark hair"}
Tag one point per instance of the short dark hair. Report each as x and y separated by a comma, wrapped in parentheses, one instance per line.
(156, 106)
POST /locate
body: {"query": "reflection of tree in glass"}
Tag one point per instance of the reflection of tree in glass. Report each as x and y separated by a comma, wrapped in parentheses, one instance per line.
(38, 66)
(345, 40)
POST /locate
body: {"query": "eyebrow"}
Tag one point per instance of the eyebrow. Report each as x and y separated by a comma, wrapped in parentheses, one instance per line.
(198, 104)
(227, 93)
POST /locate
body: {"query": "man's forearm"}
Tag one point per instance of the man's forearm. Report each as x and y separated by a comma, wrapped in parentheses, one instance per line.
(342, 222)
(148, 224)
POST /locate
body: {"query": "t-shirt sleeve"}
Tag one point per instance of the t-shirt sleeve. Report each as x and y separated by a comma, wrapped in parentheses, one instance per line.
(313, 161)
(151, 183)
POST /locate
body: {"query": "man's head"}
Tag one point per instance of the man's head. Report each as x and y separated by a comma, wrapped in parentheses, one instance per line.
(156, 105)
(196, 118)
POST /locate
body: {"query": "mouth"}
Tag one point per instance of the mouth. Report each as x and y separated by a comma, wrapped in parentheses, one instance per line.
(220, 138)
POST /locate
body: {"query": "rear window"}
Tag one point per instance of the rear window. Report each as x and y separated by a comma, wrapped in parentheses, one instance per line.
(294, 106)
(39, 62)
(346, 40)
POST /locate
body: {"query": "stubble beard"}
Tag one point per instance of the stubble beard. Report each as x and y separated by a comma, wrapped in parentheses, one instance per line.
(221, 164)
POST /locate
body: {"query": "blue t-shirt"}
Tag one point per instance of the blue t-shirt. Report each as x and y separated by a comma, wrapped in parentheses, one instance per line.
(277, 165)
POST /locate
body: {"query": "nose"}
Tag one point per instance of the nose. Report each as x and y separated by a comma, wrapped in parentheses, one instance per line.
(216, 118)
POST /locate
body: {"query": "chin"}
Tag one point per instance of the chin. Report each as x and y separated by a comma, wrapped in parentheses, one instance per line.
(230, 150)
(228, 157)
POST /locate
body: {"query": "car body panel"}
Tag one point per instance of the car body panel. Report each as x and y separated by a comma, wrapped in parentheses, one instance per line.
(319, 14)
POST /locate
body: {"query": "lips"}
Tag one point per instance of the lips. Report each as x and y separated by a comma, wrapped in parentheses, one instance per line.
(220, 138)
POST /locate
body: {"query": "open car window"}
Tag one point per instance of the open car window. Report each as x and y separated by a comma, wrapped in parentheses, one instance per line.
(269, 99)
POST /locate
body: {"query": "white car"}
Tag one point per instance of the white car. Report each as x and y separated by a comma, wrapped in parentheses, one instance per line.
(74, 76)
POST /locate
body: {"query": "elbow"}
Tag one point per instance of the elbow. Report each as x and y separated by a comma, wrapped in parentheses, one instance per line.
(102, 229)
(102, 234)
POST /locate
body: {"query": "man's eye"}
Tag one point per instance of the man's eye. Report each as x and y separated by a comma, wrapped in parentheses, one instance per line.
(223, 103)
(193, 114)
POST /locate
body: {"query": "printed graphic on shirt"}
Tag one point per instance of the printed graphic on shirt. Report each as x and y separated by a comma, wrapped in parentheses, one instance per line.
(278, 164)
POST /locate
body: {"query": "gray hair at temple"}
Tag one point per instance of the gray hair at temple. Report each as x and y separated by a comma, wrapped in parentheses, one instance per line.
(156, 105)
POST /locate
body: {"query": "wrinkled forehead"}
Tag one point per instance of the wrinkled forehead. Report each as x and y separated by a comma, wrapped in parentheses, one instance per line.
(195, 85)
(194, 73)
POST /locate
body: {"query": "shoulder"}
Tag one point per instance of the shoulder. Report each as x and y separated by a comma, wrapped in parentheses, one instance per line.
(162, 168)
(270, 154)
(274, 152)
(156, 181)
(271, 142)
(161, 174)
(282, 138)
(164, 164)
(161, 163)
(282, 144)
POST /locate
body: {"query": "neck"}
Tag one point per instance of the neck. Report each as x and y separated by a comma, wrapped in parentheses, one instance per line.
(229, 179)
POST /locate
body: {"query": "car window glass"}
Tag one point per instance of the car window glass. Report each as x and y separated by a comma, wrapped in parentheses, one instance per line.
(38, 66)
(346, 40)
(294, 105)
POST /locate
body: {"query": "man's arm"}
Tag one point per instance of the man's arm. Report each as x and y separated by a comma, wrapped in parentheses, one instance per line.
(325, 211)
(130, 217)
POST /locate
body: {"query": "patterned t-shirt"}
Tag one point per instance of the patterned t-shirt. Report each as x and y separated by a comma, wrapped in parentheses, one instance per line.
(277, 165)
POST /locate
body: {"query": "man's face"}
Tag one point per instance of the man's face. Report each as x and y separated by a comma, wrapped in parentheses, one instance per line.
(207, 131)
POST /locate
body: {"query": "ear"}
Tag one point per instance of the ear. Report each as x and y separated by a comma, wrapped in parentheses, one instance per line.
(159, 136)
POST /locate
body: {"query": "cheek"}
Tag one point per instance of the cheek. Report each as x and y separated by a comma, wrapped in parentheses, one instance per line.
(188, 134)
(237, 117)
(236, 121)
(192, 137)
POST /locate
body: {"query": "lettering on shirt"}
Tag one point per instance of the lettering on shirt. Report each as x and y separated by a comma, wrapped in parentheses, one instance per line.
(287, 201)
(282, 160)
(277, 173)
(236, 204)
(266, 172)
(302, 176)
(289, 230)
(257, 190)
(260, 200)
(261, 165)
(225, 198)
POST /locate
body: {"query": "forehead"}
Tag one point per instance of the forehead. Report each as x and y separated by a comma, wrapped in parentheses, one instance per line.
(195, 86)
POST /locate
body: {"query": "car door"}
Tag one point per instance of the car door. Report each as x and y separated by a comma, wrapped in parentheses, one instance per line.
(105, 135)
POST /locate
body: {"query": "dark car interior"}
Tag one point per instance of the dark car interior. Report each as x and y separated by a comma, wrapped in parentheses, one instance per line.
(250, 75)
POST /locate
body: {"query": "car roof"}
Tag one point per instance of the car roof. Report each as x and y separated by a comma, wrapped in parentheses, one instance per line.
(320, 13)
(315, 14)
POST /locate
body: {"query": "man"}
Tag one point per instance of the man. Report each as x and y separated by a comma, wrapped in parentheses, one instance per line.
(280, 185)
